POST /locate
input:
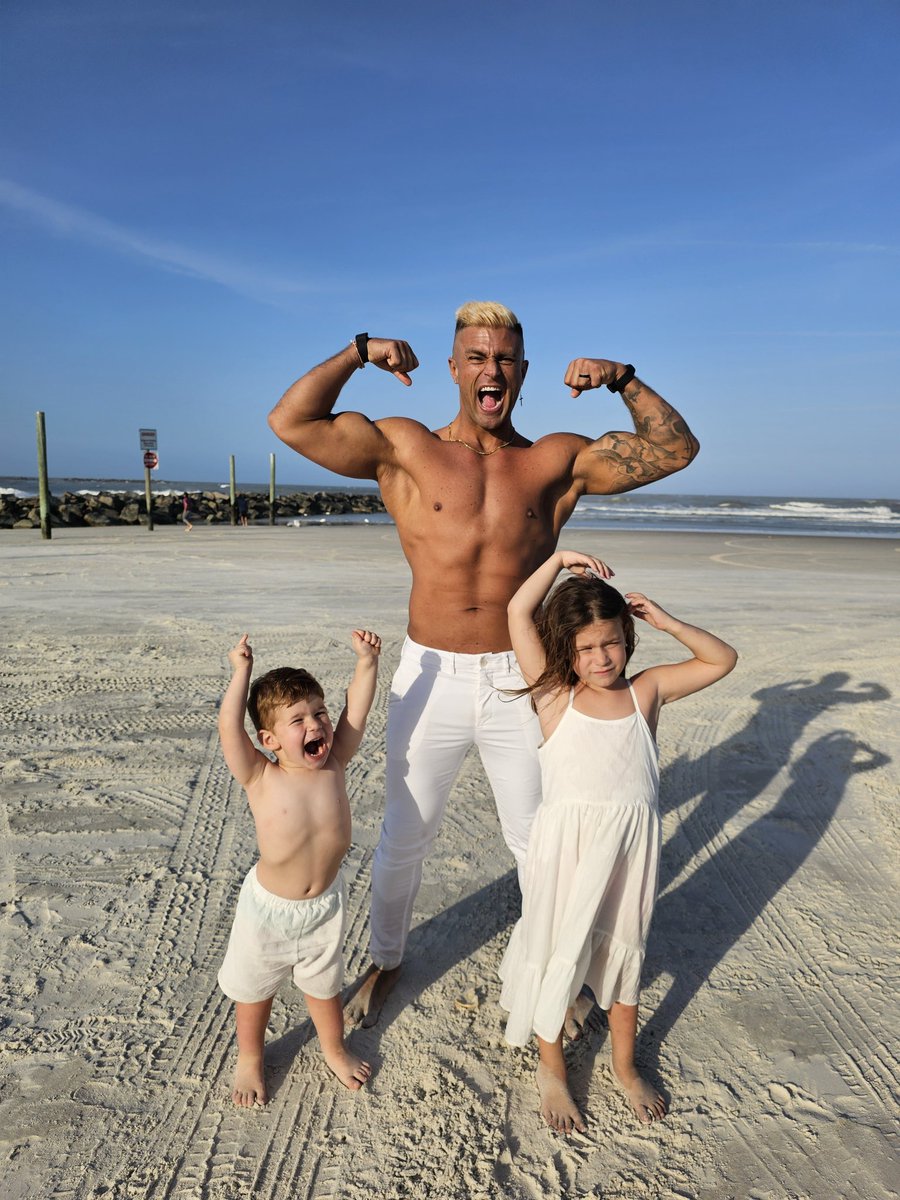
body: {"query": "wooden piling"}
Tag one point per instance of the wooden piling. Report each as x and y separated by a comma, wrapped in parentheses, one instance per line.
(43, 481)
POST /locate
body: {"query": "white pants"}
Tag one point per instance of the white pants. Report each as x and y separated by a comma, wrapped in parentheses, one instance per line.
(441, 704)
(273, 937)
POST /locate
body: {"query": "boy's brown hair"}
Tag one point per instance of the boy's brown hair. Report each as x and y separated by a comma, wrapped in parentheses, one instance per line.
(279, 689)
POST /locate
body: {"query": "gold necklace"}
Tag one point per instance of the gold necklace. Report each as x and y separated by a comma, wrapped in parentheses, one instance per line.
(480, 453)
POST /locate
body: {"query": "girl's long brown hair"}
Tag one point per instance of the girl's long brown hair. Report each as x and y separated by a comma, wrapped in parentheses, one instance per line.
(578, 601)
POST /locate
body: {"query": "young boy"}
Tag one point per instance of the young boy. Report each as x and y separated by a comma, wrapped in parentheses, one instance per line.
(291, 913)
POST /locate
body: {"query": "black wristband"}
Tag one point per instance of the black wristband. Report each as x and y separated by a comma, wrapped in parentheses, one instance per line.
(362, 348)
(626, 377)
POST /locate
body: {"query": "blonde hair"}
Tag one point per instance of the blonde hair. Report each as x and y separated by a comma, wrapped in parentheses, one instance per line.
(487, 314)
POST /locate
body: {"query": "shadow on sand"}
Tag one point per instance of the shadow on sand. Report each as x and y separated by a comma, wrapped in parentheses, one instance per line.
(697, 922)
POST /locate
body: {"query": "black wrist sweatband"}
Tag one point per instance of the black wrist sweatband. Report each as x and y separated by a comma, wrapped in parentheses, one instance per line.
(625, 378)
(362, 348)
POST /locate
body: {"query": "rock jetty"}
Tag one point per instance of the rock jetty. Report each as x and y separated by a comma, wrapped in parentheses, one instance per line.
(129, 508)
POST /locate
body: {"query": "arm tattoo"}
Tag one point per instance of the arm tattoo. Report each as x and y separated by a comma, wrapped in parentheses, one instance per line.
(660, 445)
(665, 429)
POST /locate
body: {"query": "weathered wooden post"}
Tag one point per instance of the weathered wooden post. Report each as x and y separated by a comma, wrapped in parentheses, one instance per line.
(231, 494)
(43, 484)
(271, 489)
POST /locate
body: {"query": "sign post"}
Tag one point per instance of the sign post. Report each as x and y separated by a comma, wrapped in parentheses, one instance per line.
(151, 462)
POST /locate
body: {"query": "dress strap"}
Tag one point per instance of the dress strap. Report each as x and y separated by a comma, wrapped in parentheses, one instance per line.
(571, 703)
(634, 698)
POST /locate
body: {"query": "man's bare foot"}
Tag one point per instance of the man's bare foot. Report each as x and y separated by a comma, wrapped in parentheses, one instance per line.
(557, 1106)
(249, 1082)
(364, 1007)
(350, 1070)
(577, 1015)
(646, 1101)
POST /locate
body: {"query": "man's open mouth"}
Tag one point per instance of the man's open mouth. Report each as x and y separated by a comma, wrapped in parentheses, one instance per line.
(315, 748)
(490, 398)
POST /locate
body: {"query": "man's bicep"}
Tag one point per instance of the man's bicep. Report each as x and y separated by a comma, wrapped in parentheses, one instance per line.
(348, 443)
(618, 462)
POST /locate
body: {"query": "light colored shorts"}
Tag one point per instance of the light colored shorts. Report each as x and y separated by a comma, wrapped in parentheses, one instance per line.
(272, 938)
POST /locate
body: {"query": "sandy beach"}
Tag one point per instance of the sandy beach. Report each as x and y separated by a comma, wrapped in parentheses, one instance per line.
(769, 1015)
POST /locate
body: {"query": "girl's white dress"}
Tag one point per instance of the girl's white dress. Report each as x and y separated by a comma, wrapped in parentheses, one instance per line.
(590, 874)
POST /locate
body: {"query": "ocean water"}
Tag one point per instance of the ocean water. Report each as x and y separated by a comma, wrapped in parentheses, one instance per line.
(822, 516)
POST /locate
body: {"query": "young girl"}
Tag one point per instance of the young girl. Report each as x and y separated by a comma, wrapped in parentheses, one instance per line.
(591, 870)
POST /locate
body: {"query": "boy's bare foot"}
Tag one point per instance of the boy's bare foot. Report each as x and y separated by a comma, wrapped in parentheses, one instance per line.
(557, 1106)
(646, 1101)
(364, 1007)
(350, 1070)
(249, 1082)
(577, 1015)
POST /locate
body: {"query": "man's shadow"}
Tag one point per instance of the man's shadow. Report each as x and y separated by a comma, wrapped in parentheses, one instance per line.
(732, 773)
(698, 922)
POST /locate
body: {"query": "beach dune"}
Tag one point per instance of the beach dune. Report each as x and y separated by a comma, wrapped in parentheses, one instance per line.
(769, 1015)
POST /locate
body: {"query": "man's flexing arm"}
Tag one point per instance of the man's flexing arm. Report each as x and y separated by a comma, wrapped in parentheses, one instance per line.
(661, 443)
(348, 443)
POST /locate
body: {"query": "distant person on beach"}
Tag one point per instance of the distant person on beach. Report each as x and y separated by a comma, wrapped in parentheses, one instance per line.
(186, 513)
(243, 507)
(477, 507)
(592, 864)
(291, 912)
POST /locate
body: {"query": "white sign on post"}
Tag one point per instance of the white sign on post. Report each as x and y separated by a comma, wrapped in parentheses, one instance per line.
(148, 440)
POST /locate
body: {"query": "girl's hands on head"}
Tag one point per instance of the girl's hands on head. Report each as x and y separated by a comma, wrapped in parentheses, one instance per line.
(241, 655)
(579, 564)
(640, 606)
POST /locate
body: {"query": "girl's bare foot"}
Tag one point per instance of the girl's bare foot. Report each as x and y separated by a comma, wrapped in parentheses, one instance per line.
(557, 1106)
(350, 1070)
(646, 1101)
(249, 1082)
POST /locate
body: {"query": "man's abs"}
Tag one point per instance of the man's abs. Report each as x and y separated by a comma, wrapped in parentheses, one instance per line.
(460, 594)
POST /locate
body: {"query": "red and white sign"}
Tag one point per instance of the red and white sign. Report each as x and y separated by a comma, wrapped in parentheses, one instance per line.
(151, 460)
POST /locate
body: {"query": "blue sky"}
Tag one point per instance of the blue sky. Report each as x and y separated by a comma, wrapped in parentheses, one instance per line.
(201, 199)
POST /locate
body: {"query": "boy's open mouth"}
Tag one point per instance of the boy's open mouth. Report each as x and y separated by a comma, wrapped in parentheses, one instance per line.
(490, 398)
(315, 748)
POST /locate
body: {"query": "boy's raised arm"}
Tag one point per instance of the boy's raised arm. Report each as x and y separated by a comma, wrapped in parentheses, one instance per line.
(243, 760)
(360, 694)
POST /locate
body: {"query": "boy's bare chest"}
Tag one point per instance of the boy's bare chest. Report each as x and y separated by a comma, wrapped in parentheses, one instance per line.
(291, 808)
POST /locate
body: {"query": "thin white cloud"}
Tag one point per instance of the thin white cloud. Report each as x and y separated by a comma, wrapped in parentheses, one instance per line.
(76, 224)
(809, 333)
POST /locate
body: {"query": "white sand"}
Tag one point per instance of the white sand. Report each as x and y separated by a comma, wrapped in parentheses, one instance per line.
(771, 982)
